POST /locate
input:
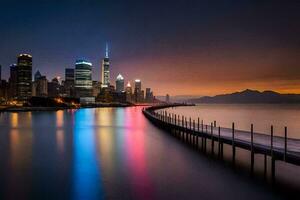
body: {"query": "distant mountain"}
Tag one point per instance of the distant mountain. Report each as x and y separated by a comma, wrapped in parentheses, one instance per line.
(250, 96)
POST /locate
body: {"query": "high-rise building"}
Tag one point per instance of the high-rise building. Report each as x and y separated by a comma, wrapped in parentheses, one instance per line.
(37, 75)
(13, 81)
(3, 90)
(42, 87)
(105, 76)
(24, 76)
(54, 88)
(69, 83)
(96, 88)
(83, 78)
(137, 90)
(0, 72)
(128, 91)
(149, 95)
(120, 83)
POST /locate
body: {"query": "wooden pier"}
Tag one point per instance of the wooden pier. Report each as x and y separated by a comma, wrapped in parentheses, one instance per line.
(277, 148)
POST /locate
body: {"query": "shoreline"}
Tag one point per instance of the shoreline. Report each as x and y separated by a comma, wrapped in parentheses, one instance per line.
(56, 108)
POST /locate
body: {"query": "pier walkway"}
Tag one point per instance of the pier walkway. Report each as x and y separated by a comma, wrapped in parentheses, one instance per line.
(194, 132)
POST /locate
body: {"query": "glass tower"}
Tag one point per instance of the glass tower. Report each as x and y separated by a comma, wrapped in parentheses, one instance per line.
(24, 77)
(83, 78)
(105, 76)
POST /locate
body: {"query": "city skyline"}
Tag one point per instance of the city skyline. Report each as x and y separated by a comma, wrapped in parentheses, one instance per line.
(189, 48)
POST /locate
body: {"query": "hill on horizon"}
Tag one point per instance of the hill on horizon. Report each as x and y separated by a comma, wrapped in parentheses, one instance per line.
(250, 97)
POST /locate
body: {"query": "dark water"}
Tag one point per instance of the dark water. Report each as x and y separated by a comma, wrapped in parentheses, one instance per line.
(108, 153)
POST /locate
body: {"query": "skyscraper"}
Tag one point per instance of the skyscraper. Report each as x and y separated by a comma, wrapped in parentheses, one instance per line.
(128, 91)
(13, 79)
(105, 76)
(37, 75)
(137, 90)
(119, 83)
(83, 78)
(0, 72)
(149, 95)
(24, 76)
(69, 83)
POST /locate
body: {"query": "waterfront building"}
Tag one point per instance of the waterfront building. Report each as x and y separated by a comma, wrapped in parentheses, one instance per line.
(137, 90)
(54, 88)
(128, 91)
(41, 87)
(33, 88)
(69, 83)
(120, 83)
(105, 71)
(83, 81)
(149, 95)
(96, 88)
(12, 81)
(3, 91)
(24, 76)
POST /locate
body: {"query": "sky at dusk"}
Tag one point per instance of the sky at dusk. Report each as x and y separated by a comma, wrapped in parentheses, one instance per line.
(180, 47)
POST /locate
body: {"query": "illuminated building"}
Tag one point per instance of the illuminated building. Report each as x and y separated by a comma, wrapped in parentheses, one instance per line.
(120, 83)
(105, 76)
(128, 91)
(24, 76)
(137, 90)
(83, 81)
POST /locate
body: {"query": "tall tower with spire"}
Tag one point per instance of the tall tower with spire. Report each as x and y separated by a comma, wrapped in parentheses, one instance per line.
(105, 73)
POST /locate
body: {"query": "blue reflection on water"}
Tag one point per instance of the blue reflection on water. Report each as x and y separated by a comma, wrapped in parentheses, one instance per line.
(87, 175)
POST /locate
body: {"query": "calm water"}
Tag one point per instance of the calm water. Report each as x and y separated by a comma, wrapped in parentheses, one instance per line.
(261, 115)
(108, 153)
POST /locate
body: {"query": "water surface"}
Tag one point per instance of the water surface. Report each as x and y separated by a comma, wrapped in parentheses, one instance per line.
(108, 153)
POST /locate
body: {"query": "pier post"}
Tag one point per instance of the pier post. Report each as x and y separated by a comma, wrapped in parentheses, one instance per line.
(202, 139)
(212, 139)
(265, 166)
(285, 143)
(206, 132)
(186, 127)
(273, 157)
(219, 144)
(175, 122)
(182, 125)
(190, 132)
(252, 151)
(194, 141)
(197, 137)
(233, 145)
(166, 116)
(215, 123)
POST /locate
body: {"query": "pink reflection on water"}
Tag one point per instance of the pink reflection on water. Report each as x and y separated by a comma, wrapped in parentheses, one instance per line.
(135, 154)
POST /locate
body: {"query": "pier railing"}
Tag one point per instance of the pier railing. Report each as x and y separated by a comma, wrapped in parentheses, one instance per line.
(195, 131)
